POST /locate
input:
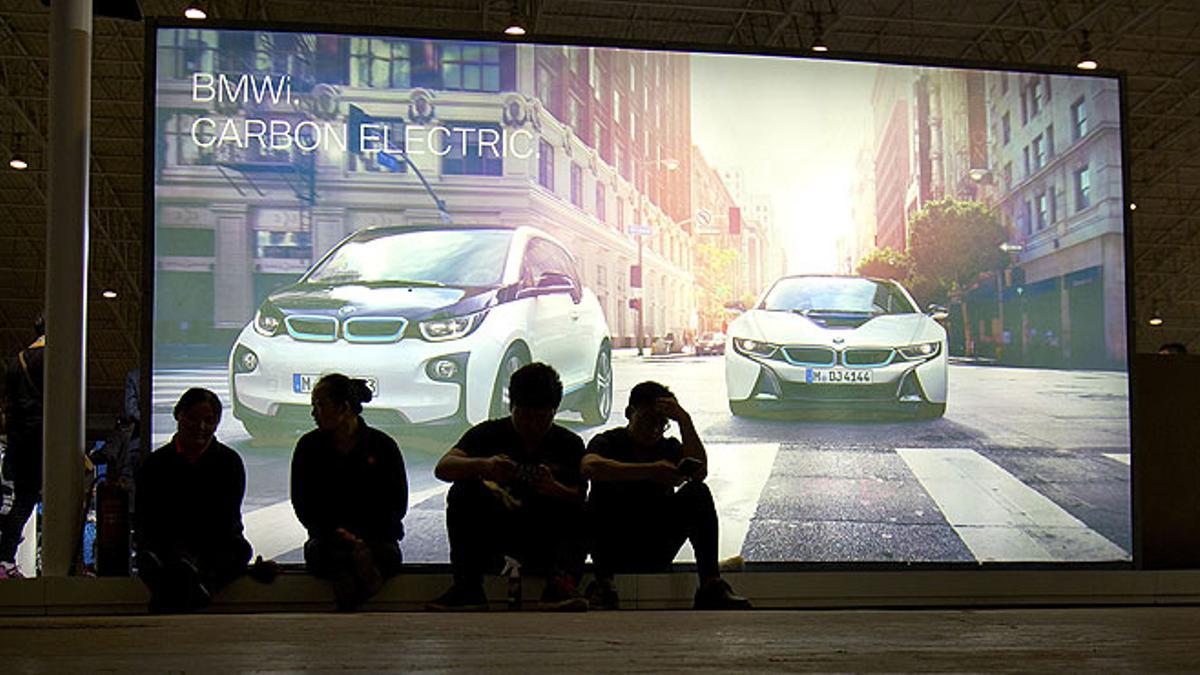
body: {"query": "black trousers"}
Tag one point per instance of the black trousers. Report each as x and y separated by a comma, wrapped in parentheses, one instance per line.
(645, 537)
(171, 571)
(331, 557)
(22, 466)
(546, 536)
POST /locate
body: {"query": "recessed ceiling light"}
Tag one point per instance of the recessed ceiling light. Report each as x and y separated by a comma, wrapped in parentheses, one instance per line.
(194, 12)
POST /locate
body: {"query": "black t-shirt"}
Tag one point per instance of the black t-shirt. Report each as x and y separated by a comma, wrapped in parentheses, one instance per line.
(618, 445)
(560, 449)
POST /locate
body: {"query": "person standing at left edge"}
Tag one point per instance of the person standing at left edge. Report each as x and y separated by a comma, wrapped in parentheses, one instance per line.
(23, 459)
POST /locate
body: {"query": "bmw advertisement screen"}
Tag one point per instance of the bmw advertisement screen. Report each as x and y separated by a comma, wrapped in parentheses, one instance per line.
(891, 297)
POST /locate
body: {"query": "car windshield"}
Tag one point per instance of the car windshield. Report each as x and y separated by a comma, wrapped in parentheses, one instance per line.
(425, 257)
(814, 295)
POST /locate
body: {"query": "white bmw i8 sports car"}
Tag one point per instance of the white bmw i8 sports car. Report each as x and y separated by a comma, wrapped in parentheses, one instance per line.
(837, 342)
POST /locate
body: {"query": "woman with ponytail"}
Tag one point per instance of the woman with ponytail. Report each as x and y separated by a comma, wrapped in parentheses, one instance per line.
(350, 491)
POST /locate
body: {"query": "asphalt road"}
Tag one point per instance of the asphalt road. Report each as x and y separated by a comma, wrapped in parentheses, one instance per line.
(1026, 465)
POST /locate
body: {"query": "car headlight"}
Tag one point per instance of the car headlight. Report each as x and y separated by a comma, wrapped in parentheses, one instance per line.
(244, 359)
(440, 330)
(920, 351)
(267, 320)
(755, 347)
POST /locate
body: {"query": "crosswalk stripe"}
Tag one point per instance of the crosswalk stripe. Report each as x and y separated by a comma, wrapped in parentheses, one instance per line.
(737, 474)
(1118, 457)
(998, 517)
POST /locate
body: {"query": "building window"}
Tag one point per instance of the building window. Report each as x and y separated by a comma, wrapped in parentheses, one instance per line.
(546, 165)
(1008, 175)
(601, 203)
(543, 88)
(287, 245)
(1042, 212)
(473, 149)
(1083, 198)
(379, 63)
(1027, 217)
(1006, 128)
(598, 137)
(1038, 151)
(573, 113)
(1003, 83)
(1078, 119)
(616, 110)
(620, 214)
(1028, 166)
(1024, 107)
(471, 67)
(577, 185)
(593, 73)
(1036, 101)
(1052, 198)
(1050, 141)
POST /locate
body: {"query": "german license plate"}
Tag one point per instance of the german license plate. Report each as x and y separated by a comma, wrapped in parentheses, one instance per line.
(303, 383)
(837, 376)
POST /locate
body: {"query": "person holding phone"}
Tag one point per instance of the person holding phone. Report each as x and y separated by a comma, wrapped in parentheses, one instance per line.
(639, 517)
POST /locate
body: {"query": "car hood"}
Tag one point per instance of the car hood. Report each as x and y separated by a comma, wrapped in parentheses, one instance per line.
(410, 302)
(791, 328)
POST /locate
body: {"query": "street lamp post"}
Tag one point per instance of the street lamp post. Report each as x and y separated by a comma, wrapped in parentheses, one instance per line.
(640, 230)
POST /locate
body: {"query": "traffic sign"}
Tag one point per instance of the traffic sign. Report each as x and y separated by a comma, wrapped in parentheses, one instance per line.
(703, 217)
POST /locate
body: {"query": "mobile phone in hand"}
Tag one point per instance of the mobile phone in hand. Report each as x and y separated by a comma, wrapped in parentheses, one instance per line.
(689, 466)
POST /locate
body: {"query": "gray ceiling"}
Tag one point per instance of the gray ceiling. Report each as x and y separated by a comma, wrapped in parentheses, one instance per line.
(1156, 43)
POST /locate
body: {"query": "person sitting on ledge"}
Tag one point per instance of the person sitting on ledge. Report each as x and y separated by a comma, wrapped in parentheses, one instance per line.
(639, 519)
(517, 493)
(350, 490)
(188, 516)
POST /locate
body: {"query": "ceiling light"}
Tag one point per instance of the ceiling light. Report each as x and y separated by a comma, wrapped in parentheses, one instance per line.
(1132, 206)
(1086, 62)
(17, 160)
(516, 21)
(818, 44)
(194, 12)
(109, 293)
(1155, 319)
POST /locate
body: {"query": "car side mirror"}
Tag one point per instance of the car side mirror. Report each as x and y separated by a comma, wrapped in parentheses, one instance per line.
(938, 313)
(549, 283)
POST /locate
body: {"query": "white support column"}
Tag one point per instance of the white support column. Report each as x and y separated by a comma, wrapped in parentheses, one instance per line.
(66, 281)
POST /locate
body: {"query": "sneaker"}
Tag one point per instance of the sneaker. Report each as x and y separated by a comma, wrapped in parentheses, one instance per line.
(561, 595)
(717, 594)
(10, 571)
(602, 596)
(460, 598)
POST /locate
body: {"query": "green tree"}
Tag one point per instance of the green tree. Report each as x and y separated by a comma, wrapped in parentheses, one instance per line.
(886, 263)
(714, 272)
(951, 242)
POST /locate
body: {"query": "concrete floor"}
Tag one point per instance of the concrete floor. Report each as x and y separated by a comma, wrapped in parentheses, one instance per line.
(1044, 640)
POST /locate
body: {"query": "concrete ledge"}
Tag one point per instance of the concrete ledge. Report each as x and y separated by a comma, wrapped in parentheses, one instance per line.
(298, 592)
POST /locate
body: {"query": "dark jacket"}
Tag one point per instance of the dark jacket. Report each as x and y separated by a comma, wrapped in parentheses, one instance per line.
(364, 491)
(193, 508)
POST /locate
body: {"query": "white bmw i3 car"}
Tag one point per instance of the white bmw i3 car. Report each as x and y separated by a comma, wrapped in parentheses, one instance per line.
(836, 342)
(435, 318)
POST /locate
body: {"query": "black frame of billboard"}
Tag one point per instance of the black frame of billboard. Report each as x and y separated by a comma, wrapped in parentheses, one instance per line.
(154, 24)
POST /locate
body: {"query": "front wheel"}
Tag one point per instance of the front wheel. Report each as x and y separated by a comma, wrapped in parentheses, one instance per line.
(513, 359)
(598, 405)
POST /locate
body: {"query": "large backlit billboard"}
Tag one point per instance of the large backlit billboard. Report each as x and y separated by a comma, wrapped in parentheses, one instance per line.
(892, 297)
